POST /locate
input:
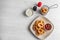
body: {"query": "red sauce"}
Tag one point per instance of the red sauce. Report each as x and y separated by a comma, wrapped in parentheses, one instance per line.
(48, 26)
(39, 4)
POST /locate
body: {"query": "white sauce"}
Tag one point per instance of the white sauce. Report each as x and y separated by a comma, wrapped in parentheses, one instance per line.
(29, 12)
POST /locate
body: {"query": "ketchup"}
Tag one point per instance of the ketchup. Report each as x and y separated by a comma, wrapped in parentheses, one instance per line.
(39, 4)
(48, 26)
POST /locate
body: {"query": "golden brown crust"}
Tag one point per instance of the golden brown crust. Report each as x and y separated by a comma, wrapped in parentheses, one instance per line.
(40, 32)
(44, 10)
(38, 27)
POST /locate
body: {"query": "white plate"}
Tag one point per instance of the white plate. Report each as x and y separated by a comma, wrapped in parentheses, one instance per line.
(47, 33)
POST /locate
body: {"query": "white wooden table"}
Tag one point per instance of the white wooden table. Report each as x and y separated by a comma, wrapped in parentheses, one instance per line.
(14, 24)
